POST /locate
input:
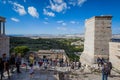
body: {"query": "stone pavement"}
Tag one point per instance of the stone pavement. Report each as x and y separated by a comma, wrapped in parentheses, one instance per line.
(41, 74)
(38, 75)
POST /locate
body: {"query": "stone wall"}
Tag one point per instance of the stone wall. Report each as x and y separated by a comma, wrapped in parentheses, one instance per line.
(4, 45)
(114, 56)
(102, 37)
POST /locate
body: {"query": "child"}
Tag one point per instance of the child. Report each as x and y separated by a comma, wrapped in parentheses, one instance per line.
(31, 72)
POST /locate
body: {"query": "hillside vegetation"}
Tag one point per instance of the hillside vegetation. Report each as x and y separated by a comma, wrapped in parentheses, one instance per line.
(46, 44)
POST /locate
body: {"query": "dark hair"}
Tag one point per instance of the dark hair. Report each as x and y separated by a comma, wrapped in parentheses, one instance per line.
(4, 54)
(31, 65)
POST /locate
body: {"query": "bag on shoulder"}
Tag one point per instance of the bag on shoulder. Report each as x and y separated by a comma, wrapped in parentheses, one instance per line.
(106, 71)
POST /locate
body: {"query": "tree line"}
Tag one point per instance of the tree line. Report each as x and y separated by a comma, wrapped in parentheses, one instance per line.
(24, 44)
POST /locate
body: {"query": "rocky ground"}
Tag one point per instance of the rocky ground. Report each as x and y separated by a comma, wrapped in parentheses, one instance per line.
(88, 75)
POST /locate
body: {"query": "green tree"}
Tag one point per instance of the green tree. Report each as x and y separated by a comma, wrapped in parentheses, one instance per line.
(21, 49)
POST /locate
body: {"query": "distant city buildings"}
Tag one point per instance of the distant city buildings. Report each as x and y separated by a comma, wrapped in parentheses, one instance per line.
(116, 36)
(53, 54)
(77, 43)
(48, 36)
(4, 40)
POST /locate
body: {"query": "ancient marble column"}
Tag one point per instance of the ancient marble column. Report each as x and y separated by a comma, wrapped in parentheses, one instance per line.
(0, 28)
(3, 28)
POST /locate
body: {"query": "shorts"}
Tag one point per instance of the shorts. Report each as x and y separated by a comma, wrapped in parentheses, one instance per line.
(31, 73)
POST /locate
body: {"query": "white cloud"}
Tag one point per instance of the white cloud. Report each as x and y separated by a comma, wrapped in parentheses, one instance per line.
(33, 12)
(57, 5)
(74, 22)
(18, 8)
(61, 21)
(45, 22)
(77, 2)
(58, 1)
(15, 19)
(80, 2)
(72, 2)
(62, 5)
(64, 24)
(48, 13)
(62, 28)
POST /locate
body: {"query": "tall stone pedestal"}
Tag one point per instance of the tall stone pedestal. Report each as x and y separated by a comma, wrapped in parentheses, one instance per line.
(87, 59)
(97, 37)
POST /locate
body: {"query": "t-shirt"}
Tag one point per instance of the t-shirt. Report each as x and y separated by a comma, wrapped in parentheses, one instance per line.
(31, 59)
(18, 60)
(6, 60)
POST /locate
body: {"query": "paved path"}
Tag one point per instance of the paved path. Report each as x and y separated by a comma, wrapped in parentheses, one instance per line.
(38, 75)
(41, 74)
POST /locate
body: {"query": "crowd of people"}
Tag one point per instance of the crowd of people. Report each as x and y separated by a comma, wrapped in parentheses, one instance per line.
(75, 65)
(7, 64)
(14, 61)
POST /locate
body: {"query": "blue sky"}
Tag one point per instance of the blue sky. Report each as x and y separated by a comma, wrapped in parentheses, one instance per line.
(56, 16)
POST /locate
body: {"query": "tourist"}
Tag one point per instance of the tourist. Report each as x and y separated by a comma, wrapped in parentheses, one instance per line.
(61, 62)
(31, 59)
(40, 63)
(35, 60)
(6, 64)
(18, 63)
(68, 64)
(31, 71)
(105, 71)
(102, 61)
(1, 68)
(50, 62)
(72, 66)
(110, 68)
(45, 65)
(98, 61)
(79, 65)
(12, 62)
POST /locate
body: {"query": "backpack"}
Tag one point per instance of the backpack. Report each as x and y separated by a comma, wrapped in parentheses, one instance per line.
(105, 70)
